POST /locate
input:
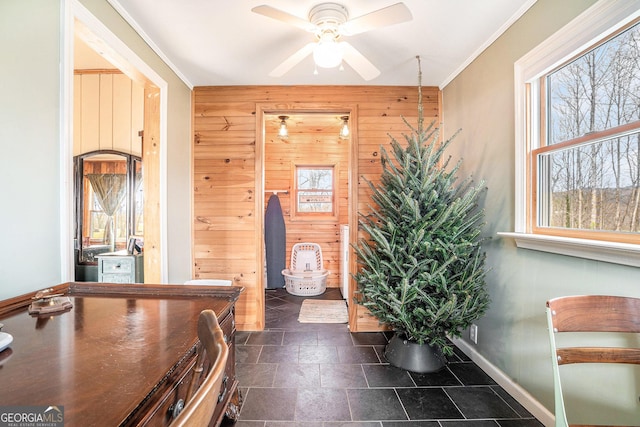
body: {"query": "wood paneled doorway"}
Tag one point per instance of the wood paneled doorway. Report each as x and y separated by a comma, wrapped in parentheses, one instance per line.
(80, 22)
(313, 141)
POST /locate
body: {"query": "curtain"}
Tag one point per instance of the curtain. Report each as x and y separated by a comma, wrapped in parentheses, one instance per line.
(110, 189)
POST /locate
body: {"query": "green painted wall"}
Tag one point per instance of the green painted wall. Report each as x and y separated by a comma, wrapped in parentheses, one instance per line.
(513, 334)
(29, 133)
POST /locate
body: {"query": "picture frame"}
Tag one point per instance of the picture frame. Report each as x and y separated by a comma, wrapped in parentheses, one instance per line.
(131, 245)
(135, 244)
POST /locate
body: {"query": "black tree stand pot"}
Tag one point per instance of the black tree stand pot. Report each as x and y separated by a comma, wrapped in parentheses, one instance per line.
(414, 357)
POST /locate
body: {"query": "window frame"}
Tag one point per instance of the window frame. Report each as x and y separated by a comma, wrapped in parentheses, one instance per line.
(314, 216)
(534, 222)
(597, 23)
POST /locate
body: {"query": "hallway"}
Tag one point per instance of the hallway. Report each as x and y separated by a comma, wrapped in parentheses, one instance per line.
(321, 375)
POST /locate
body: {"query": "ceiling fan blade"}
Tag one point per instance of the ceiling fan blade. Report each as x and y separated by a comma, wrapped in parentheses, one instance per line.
(293, 60)
(390, 15)
(280, 15)
(358, 62)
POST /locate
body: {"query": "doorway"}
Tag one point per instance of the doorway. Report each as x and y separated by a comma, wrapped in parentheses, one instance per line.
(114, 54)
(311, 213)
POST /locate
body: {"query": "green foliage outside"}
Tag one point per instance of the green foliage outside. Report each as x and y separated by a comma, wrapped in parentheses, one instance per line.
(421, 270)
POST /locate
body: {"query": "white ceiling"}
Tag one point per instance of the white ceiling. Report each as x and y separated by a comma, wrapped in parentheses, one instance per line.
(221, 42)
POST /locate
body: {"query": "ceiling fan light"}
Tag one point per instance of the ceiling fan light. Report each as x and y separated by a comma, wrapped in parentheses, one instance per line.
(327, 54)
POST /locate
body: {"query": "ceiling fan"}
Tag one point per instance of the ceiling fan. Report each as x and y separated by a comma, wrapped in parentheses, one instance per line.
(330, 22)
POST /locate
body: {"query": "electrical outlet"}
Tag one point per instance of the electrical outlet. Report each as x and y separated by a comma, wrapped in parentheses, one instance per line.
(473, 333)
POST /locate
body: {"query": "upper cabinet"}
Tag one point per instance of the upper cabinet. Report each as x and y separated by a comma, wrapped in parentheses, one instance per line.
(108, 113)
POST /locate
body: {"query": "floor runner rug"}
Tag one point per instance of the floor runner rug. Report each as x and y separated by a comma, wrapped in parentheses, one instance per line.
(323, 311)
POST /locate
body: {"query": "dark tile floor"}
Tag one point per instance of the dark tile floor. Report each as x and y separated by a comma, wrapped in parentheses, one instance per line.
(321, 375)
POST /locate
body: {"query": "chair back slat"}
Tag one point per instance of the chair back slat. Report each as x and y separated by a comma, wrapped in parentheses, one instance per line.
(569, 355)
(595, 313)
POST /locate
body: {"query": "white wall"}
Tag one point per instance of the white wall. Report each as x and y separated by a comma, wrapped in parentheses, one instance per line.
(513, 334)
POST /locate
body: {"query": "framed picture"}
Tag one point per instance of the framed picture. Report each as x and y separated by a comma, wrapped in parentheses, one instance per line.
(131, 245)
(135, 244)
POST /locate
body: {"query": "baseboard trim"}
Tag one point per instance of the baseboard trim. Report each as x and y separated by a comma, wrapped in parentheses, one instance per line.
(515, 390)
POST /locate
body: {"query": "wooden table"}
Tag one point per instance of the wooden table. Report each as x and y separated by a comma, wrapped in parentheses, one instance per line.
(121, 356)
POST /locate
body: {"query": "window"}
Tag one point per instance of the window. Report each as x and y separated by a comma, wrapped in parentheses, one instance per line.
(314, 191)
(586, 164)
(578, 138)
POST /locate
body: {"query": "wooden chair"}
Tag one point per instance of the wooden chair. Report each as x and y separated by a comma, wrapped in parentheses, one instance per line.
(590, 313)
(201, 401)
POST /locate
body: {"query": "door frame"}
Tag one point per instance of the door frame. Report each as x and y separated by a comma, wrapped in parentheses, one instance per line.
(121, 56)
(263, 109)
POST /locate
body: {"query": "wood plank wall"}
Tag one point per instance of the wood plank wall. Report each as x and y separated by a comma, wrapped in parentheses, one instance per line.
(228, 173)
(108, 112)
(151, 186)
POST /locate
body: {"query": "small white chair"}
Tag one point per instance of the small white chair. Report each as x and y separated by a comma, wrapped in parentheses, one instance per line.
(209, 282)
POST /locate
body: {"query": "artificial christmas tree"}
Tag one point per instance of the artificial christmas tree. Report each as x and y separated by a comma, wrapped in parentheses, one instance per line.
(421, 267)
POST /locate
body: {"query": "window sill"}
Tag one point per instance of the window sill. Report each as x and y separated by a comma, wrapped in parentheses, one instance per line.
(617, 253)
